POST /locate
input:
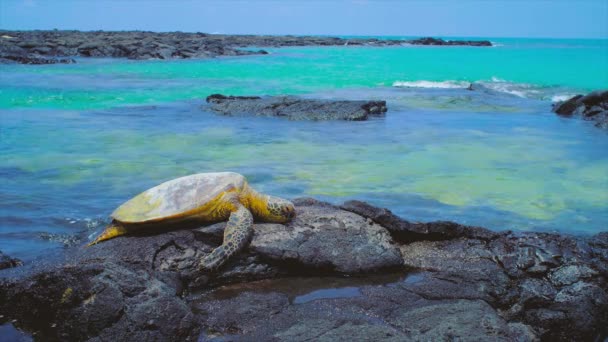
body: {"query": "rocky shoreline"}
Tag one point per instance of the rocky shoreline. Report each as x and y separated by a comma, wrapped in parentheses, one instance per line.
(48, 47)
(459, 282)
(591, 107)
(295, 108)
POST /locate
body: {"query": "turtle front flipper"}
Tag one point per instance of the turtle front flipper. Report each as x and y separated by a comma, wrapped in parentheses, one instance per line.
(236, 236)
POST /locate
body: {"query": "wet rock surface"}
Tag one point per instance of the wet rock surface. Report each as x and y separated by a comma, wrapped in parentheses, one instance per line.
(592, 107)
(8, 262)
(37, 46)
(295, 108)
(23, 58)
(455, 282)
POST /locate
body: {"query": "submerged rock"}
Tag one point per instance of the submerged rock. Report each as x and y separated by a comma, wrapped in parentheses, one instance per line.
(8, 262)
(592, 107)
(295, 108)
(469, 283)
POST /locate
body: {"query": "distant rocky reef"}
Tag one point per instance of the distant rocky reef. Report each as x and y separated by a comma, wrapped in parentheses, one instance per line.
(591, 107)
(439, 41)
(49, 47)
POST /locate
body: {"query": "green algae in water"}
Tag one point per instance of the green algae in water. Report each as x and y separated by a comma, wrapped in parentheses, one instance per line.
(526, 172)
(559, 187)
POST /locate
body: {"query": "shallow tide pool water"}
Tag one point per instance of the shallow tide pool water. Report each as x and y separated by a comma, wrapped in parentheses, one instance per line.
(78, 140)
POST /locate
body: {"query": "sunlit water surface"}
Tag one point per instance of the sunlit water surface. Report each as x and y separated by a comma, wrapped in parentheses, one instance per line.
(78, 140)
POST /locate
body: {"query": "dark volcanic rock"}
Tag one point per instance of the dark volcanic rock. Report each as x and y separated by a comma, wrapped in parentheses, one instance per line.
(15, 54)
(567, 108)
(406, 231)
(8, 59)
(155, 45)
(323, 237)
(101, 296)
(378, 313)
(295, 108)
(468, 284)
(8, 262)
(592, 107)
(103, 301)
(439, 41)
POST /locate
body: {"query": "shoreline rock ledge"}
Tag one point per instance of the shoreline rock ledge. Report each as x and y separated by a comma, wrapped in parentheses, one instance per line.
(591, 107)
(43, 47)
(295, 108)
(463, 283)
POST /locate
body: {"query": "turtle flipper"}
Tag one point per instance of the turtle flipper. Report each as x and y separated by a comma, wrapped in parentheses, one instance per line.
(111, 231)
(236, 236)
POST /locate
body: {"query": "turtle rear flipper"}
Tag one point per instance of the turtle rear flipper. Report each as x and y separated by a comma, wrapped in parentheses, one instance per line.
(111, 231)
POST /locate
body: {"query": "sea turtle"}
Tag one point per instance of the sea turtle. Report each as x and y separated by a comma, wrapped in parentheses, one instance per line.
(204, 198)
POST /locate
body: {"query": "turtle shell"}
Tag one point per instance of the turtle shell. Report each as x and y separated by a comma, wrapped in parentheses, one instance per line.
(177, 198)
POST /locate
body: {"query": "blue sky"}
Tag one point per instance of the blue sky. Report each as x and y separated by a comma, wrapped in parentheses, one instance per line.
(474, 18)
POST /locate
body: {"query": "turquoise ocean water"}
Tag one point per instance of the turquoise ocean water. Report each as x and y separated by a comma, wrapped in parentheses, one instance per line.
(78, 140)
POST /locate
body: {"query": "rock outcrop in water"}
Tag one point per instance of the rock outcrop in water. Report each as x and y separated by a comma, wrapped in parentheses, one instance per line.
(41, 47)
(8, 262)
(439, 41)
(465, 283)
(591, 107)
(295, 108)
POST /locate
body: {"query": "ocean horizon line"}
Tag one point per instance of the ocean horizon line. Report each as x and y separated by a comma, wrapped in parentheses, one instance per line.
(349, 35)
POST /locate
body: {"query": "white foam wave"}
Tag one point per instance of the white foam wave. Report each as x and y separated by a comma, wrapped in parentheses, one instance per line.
(561, 97)
(495, 84)
(432, 84)
(518, 89)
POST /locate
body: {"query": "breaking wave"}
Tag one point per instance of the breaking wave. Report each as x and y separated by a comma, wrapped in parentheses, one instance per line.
(523, 90)
(432, 84)
(561, 97)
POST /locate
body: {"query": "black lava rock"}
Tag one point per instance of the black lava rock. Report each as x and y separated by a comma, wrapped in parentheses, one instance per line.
(8, 262)
(295, 108)
(592, 107)
(42, 47)
(467, 283)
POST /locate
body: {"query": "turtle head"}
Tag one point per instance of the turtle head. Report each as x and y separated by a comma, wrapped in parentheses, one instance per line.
(279, 210)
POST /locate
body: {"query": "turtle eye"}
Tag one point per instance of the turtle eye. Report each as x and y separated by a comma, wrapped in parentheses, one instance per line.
(288, 212)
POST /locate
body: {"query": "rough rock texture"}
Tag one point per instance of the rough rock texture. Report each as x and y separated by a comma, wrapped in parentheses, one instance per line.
(436, 41)
(22, 58)
(147, 45)
(592, 107)
(8, 262)
(11, 52)
(295, 108)
(323, 238)
(456, 282)
(379, 313)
